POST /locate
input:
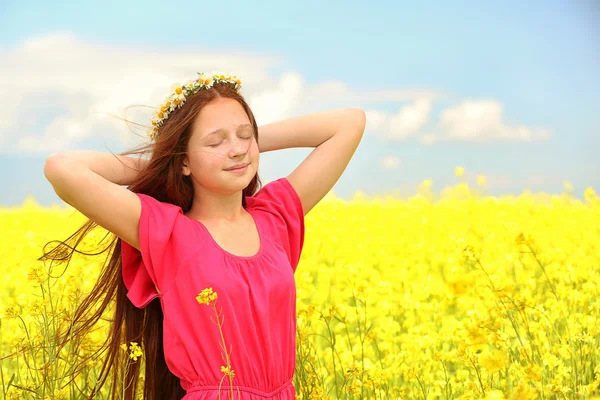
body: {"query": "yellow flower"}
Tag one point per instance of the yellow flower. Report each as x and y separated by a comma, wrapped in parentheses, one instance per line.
(533, 372)
(354, 387)
(589, 193)
(352, 371)
(371, 336)
(494, 360)
(36, 308)
(469, 253)
(412, 372)
(37, 274)
(10, 312)
(461, 285)
(206, 296)
(522, 239)
(459, 171)
(331, 311)
(524, 392)
(551, 361)
(227, 371)
(481, 181)
(494, 395)
(134, 350)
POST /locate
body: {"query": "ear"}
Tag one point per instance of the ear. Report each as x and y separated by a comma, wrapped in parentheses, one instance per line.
(185, 169)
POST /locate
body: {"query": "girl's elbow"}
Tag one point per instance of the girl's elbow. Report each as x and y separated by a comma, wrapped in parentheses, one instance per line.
(359, 118)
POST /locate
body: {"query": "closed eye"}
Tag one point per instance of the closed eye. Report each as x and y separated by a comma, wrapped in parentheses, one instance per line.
(246, 137)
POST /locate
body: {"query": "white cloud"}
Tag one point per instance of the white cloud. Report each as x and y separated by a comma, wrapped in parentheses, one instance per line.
(90, 81)
(478, 121)
(57, 91)
(292, 96)
(470, 120)
(276, 103)
(327, 92)
(400, 125)
(390, 162)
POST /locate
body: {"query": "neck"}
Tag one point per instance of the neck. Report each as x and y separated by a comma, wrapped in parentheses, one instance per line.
(216, 206)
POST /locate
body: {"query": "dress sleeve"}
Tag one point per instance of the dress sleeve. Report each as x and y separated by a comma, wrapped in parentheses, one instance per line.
(280, 199)
(148, 272)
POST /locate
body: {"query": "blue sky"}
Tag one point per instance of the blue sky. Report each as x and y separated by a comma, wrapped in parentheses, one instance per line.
(508, 90)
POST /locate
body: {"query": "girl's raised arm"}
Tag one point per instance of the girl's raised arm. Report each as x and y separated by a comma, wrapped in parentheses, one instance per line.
(335, 134)
(110, 205)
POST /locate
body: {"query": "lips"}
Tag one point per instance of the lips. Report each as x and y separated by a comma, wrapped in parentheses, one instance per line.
(238, 166)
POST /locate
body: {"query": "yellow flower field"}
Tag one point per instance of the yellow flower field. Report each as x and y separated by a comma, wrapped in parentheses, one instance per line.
(465, 296)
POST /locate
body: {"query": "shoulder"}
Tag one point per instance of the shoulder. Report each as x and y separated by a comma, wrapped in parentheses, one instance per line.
(276, 197)
(156, 212)
(163, 223)
(280, 207)
(281, 210)
(154, 205)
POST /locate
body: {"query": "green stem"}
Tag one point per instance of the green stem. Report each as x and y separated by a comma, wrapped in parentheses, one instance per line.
(228, 361)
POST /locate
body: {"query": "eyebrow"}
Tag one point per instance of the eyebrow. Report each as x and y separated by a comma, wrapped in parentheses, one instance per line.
(223, 130)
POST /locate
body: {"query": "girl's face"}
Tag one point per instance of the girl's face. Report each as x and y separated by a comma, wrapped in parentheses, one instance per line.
(222, 136)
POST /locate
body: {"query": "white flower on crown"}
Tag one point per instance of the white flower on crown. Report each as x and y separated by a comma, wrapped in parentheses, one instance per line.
(176, 88)
(168, 104)
(178, 99)
(190, 84)
(206, 80)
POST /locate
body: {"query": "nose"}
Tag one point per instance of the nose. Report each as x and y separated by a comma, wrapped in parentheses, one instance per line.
(240, 146)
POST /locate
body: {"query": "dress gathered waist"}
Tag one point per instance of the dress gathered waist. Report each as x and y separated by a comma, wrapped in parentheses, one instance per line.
(246, 389)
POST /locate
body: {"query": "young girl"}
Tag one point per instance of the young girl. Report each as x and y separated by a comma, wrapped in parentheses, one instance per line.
(193, 232)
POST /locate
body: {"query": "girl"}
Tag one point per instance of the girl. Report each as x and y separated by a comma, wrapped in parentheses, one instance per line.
(192, 230)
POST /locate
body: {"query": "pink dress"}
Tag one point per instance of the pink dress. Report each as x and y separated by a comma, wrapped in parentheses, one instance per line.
(257, 295)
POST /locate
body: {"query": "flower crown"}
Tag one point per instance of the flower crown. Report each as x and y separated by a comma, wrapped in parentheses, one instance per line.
(182, 92)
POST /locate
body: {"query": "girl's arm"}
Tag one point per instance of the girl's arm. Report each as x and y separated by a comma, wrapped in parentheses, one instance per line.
(309, 130)
(118, 169)
(90, 182)
(335, 135)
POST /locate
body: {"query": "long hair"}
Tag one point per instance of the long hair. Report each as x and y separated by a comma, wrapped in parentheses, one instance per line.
(162, 179)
